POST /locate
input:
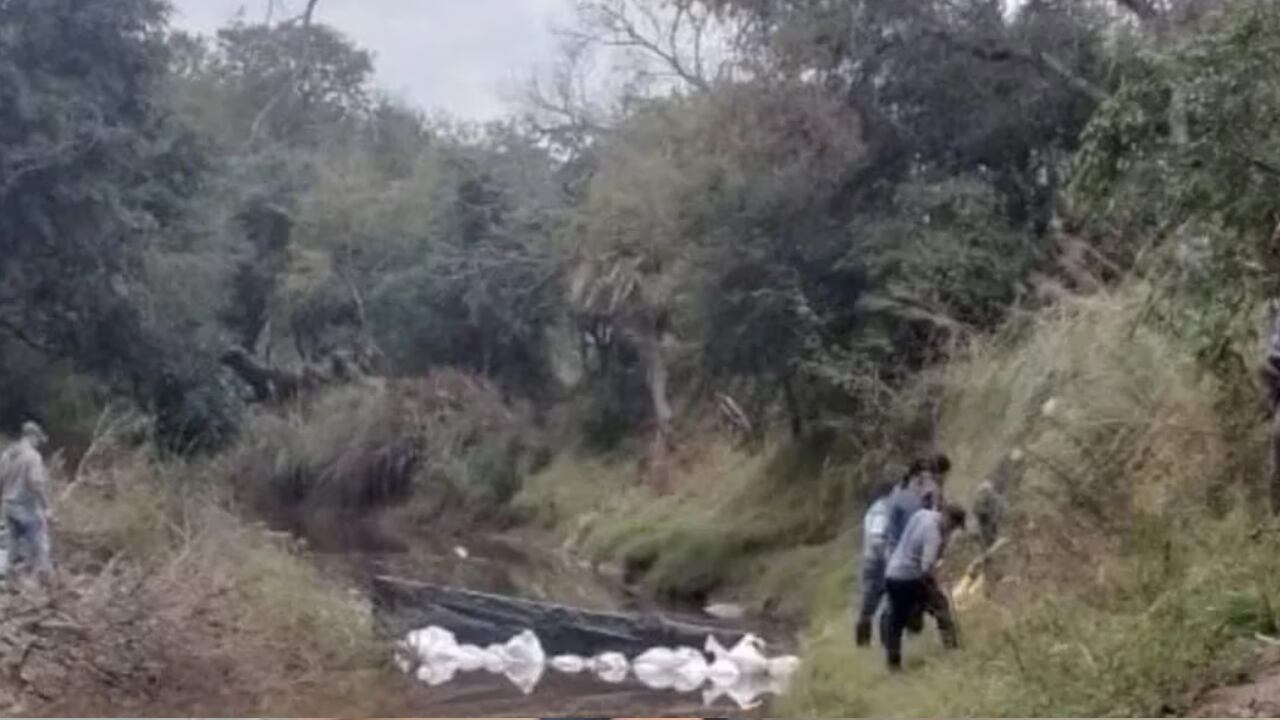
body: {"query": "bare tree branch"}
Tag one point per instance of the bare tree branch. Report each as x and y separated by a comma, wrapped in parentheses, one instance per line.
(303, 18)
(699, 31)
(309, 13)
(560, 107)
(300, 71)
(620, 31)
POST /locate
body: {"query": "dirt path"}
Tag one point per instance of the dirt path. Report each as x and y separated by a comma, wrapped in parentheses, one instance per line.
(1251, 695)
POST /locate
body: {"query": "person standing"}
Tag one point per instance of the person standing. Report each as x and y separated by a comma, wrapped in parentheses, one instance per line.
(1271, 377)
(988, 510)
(875, 529)
(920, 488)
(24, 490)
(930, 482)
(903, 502)
(910, 581)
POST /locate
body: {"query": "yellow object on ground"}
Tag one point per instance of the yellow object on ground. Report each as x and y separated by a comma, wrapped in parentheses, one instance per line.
(968, 590)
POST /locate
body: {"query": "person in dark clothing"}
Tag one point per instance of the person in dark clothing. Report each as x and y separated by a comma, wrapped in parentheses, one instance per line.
(930, 489)
(921, 487)
(1271, 377)
(903, 502)
(911, 584)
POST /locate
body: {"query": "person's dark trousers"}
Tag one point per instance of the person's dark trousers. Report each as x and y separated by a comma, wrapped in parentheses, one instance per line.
(939, 606)
(871, 587)
(908, 601)
(906, 597)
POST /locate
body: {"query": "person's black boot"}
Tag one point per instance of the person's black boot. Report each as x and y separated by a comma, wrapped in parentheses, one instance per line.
(862, 634)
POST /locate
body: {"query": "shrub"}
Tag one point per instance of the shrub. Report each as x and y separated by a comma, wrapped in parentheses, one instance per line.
(446, 440)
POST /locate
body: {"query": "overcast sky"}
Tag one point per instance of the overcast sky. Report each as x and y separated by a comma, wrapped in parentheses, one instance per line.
(463, 56)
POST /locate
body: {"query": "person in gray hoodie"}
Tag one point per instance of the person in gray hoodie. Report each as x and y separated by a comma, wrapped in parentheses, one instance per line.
(910, 583)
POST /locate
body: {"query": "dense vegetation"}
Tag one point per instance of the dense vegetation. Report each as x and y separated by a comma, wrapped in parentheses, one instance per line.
(773, 208)
(686, 311)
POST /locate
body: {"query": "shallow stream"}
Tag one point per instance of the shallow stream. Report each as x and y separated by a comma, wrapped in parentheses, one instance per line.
(521, 566)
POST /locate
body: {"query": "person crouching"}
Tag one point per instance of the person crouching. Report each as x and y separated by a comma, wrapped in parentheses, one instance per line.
(910, 581)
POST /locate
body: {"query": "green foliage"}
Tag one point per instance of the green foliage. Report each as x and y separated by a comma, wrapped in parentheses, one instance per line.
(947, 247)
(64, 402)
(95, 172)
(473, 283)
(1179, 166)
(959, 87)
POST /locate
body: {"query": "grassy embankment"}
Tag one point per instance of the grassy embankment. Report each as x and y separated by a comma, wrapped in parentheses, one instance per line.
(1137, 572)
(188, 607)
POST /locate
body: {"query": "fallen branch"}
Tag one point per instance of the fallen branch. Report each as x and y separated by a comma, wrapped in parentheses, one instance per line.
(104, 428)
(976, 566)
(1266, 639)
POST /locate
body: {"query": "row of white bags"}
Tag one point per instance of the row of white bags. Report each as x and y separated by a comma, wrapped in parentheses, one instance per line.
(742, 673)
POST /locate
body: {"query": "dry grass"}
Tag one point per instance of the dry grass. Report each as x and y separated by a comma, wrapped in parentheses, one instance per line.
(1122, 592)
(1134, 424)
(446, 440)
(229, 605)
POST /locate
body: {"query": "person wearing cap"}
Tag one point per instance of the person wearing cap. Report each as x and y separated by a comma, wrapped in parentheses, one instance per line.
(910, 581)
(24, 489)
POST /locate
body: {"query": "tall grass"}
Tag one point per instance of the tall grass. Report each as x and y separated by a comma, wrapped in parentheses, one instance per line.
(754, 525)
(220, 602)
(448, 440)
(1122, 591)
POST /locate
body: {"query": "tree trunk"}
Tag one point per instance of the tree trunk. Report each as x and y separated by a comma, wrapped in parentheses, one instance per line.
(269, 384)
(793, 407)
(1179, 123)
(656, 375)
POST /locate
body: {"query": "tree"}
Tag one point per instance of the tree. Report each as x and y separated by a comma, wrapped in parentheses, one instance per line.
(457, 259)
(92, 171)
(941, 86)
(705, 241)
(285, 103)
(1194, 202)
(264, 83)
